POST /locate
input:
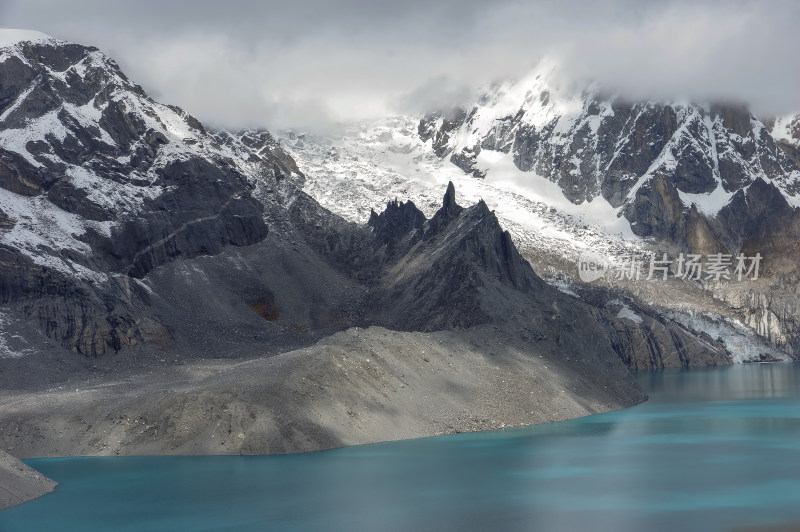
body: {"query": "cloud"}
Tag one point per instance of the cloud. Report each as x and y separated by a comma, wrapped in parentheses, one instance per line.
(313, 63)
(438, 93)
(739, 51)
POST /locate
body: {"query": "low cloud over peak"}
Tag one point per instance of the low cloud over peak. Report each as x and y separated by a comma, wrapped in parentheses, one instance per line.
(313, 63)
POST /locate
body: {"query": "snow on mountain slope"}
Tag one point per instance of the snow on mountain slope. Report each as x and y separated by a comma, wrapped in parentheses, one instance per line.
(787, 128)
(786, 131)
(373, 163)
(95, 144)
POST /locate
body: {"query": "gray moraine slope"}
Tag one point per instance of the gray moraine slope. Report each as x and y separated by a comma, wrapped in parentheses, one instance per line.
(19, 483)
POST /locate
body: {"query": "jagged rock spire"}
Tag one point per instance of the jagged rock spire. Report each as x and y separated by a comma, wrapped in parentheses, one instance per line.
(449, 211)
(449, 197)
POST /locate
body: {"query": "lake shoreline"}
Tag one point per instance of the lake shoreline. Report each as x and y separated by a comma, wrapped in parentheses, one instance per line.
(713, 449)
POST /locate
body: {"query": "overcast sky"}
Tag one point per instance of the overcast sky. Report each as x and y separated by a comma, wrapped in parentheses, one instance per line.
(311, 63)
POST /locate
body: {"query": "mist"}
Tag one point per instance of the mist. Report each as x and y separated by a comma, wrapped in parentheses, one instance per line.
(313, 64)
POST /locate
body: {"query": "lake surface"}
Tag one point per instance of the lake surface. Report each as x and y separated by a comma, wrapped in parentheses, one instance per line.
(712, 450)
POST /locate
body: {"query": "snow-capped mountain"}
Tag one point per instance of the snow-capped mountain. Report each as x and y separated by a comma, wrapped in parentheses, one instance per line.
(661, 164)
(593, 143)
(688, 177)
(786, 131)
(104, 190)
(131, 233)
(74, 127)
(101, 184)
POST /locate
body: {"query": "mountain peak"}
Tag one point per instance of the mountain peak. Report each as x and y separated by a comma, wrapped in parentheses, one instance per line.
(11, 37)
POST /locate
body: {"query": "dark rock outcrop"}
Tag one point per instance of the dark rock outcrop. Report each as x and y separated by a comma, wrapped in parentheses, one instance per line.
(397, 228)
(438, 271)
(653, 342)
(439, 127)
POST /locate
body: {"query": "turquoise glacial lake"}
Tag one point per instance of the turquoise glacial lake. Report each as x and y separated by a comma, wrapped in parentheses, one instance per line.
(713, 449)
